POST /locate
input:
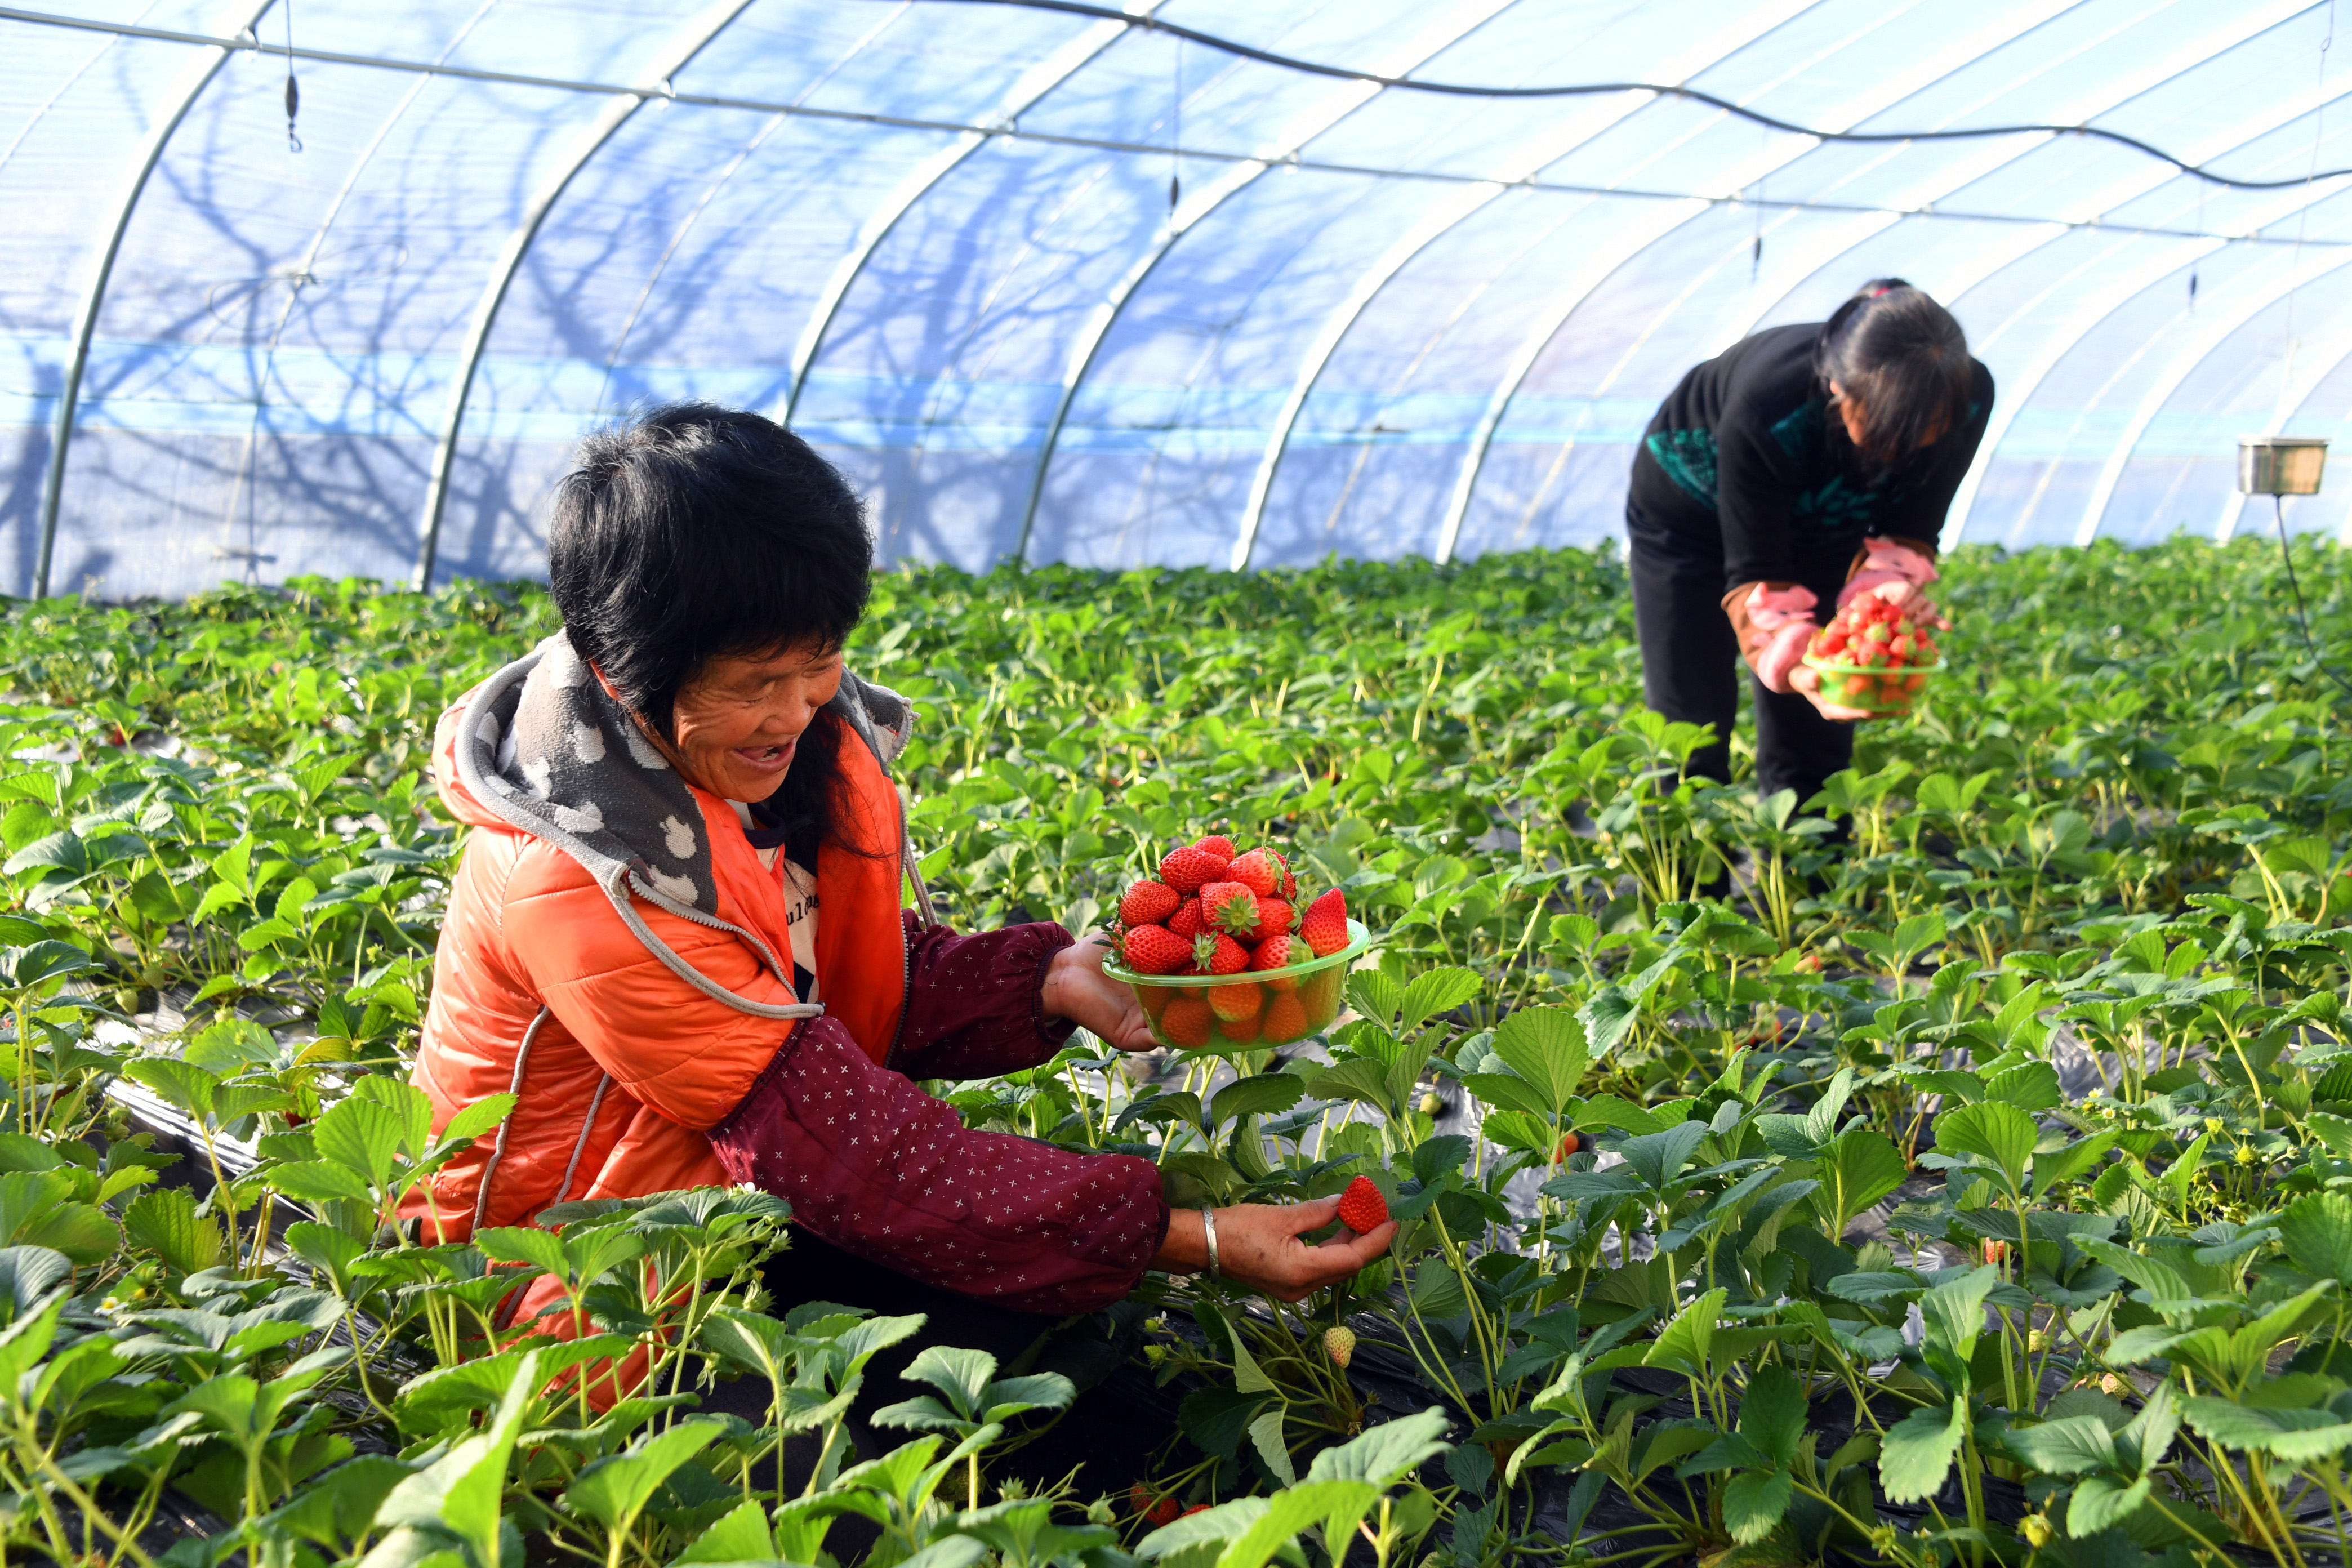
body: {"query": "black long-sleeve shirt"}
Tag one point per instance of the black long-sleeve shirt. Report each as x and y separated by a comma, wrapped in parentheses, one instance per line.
(1742, 448)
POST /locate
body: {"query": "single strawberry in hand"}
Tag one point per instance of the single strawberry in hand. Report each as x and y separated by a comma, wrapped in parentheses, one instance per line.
(1154, 950)
(1149, 903)
(1185, 870)
(1361, 1207)
(1326, 925)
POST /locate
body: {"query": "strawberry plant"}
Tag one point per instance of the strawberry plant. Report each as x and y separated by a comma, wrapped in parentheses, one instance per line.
(1954, 1167)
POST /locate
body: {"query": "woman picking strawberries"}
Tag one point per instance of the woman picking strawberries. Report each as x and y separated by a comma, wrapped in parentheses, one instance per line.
(1802, 466)
(676, 934)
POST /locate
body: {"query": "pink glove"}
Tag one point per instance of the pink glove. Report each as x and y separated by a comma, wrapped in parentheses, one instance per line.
(1786, 614)
(1888, 561)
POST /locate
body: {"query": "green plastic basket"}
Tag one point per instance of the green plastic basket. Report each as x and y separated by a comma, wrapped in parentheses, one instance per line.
(1249, 1010)
(1883, 694)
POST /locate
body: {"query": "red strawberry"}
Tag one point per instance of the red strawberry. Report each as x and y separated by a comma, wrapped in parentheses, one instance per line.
(1185, 870)
(1235, 1003)
(1258, 871)
(1217, 954)
(1230, 907)
(1169, 1511)
(1216, 844)
(1286, 1015)
(1155, 949)
(1361, 1207)
(1188, 921)
(1149, 903)
(1275, 916)
(1186, 1023)
(1290, 887)
(1326, 925)
(1196, 1508)
(1568, 1145)
(1280, 951)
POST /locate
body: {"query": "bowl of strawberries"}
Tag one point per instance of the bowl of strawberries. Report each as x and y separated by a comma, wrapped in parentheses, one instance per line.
(1226, 951)
(1873, 655)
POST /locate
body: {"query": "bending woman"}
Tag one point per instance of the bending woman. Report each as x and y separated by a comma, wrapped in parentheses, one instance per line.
(676, 931)
(1794, 470)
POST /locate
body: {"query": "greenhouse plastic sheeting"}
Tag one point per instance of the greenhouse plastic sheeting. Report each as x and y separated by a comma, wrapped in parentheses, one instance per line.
(937, 236)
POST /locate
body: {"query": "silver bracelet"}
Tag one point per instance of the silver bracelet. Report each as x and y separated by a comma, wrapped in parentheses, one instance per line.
(1209, 1228)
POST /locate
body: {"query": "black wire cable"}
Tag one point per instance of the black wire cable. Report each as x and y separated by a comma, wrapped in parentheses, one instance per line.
(2278, 509)
(1664, 90)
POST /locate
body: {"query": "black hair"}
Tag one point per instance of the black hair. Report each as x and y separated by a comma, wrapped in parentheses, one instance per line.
(1903, 358)
(691, 532)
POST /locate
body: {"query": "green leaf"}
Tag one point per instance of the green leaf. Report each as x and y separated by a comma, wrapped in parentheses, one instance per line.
(477, 1118)
(1375, 995)
(2294, 1436)
(1996, 1132)
(1954, 1315)
(460, 1491)
(1754, 1502)
(1265, 1433)
(165, 1222)
(317, 1182)
(2070, 1445)
(2071, 1163)
(361, 1136)
(1263, 1095)
(1684, 1344)
(185, 1087)
(1545, 1045)
(2317, 1231)
(1857, 1170)
(1659, 1157)
(739, 1536)
(542, 1250)
(29, 1273)
(613, 1491)
(1772, 1413)
(2101, 1502)
(1437, 990)
(962, 1375)
(1918, 1453)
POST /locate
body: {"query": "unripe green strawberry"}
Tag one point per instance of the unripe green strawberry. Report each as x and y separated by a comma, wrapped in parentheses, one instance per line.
(1339, 1344)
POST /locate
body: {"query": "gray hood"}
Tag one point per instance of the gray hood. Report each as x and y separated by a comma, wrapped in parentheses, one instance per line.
(543, 745)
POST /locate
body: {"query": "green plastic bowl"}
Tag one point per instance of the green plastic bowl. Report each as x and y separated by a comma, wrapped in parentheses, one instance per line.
(1883, 694)
(1249, 1010)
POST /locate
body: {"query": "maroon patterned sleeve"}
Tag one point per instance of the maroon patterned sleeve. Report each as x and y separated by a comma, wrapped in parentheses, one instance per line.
(974, 1002)
(878, 1168)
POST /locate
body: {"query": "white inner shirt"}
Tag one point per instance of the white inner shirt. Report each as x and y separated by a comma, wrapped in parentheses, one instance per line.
(800, 906)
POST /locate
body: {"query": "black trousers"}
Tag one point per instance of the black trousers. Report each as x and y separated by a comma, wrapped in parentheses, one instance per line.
(1107, 1436)
(1691, 669)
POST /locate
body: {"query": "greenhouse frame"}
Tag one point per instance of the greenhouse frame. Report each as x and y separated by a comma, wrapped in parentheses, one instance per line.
(1064, 284)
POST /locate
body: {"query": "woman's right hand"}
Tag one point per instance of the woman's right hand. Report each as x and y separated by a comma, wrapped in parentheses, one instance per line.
(1806, 681)
(1258, 1245)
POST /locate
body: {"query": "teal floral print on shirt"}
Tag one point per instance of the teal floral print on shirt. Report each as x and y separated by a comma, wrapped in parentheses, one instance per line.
(1688, 458)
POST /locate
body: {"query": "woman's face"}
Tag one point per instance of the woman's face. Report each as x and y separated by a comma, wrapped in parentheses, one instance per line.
(1850, 410)
(736, 724)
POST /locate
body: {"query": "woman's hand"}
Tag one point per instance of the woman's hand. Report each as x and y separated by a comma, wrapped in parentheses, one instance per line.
(1258, 1245)
(1806, 681)
(1078, 989)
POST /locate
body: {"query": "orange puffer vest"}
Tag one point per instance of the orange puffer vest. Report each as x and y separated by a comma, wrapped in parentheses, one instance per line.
(613, 969)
